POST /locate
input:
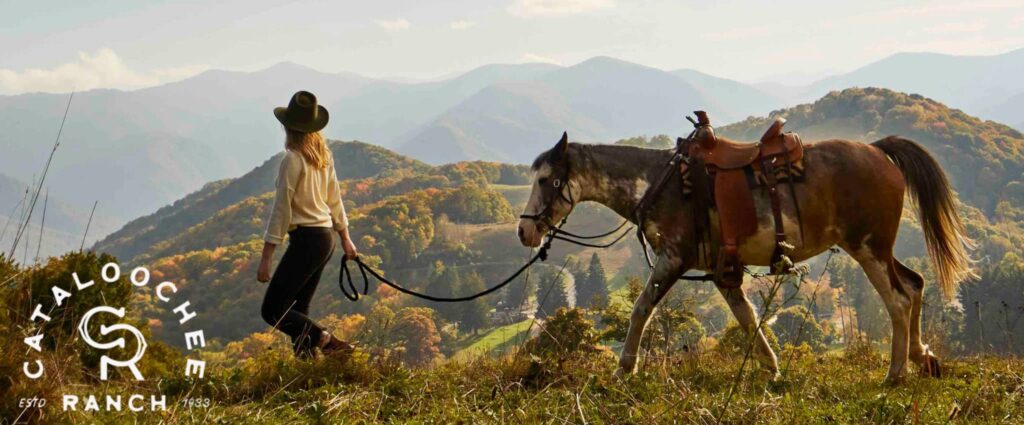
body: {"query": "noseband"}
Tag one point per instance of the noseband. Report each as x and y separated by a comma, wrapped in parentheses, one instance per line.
(554, 190)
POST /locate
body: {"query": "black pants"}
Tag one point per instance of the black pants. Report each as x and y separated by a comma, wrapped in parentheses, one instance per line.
(286, 304)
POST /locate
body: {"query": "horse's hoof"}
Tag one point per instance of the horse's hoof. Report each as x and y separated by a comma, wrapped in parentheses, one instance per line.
(893, 380)
(932, 367)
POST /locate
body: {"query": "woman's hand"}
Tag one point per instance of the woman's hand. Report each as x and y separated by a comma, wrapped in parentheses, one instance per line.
(350, 248)
(263, 273)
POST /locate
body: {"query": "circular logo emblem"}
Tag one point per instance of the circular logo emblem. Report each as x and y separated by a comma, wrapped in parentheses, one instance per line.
(106, 328)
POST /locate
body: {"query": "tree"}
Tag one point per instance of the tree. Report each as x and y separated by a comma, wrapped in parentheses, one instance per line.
(736, 342)
(567, 332)
(445, 281)
(551, 293)
(795, 325)
(872, 319)
(474, 204)
(516, 296)
(472, 315)
(592, 290)
(994, 308)
(402, 227)
(615, 316)
(417, 333)
(374, 331)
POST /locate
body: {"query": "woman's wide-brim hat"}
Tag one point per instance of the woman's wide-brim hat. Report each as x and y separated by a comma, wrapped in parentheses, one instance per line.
(303, 113)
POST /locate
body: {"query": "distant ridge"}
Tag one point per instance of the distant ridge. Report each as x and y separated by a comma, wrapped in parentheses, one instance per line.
(135, 151)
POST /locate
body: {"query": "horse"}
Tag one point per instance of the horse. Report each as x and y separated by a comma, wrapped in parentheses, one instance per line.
(852, 196)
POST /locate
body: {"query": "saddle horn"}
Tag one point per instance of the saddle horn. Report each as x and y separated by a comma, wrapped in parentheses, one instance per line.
(702, 118)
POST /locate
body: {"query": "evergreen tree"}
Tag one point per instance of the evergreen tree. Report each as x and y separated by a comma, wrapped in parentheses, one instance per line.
(994, 308)
(592, 288)
(551, 293)
(858, 293)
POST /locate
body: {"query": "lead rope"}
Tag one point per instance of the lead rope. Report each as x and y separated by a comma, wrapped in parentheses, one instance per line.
(555, 233)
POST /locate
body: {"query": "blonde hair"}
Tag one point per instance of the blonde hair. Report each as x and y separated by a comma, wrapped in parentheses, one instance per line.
(310, 145)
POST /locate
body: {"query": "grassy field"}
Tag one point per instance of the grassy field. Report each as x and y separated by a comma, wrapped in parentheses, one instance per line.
(496, 341)
(843, 387)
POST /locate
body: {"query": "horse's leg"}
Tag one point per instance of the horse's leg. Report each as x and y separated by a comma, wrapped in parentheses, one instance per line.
(881, 270)
(666, 273)
(919, 352)
(747, 318)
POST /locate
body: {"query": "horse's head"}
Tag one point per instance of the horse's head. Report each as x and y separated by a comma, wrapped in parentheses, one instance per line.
(551, 199)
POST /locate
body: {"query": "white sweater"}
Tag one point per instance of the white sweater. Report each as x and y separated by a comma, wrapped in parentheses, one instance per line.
(306, 196)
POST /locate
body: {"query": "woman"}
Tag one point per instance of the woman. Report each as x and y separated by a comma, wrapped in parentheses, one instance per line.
(307, 207)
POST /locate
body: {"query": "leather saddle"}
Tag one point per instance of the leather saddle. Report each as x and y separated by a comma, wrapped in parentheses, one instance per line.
(733, 167)
(726, 154)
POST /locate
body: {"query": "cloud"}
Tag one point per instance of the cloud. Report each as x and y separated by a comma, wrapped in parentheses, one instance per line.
(532, 58)
(103, 69)
(461, 24)
(556, 8)
(960, 44)
(956, 27)
(393, 25)
(1017, 22)
(749, 32)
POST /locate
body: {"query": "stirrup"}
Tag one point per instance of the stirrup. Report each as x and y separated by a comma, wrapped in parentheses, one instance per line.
(728, 270)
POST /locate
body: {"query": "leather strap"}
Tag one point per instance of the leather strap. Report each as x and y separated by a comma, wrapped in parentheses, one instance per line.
(791, 176)
(773, 195)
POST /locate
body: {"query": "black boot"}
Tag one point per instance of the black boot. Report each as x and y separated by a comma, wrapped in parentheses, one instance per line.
(303, 348)
(334, 347)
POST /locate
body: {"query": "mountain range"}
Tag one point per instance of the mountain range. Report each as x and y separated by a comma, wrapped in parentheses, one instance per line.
(135, 151)
(409, 215)
(985, 86)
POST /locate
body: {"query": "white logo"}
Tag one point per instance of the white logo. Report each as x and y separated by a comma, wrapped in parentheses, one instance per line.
(83, 329)
(115, 336)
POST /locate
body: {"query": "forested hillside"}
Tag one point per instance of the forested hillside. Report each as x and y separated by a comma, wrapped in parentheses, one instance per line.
(984, 159)
(450, 230)
(444, 229)
(356, 160)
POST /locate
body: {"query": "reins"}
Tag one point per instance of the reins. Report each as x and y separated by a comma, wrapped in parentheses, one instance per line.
(563, 190)
(555, 232)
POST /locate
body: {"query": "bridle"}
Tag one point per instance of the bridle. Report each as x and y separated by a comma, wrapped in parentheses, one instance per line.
(552, 190)
(556, 189)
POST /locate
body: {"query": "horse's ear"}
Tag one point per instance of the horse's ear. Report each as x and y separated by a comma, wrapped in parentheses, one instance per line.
(562, 148)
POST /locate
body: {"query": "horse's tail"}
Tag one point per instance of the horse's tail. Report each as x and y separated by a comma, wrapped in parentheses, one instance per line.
(944, 232)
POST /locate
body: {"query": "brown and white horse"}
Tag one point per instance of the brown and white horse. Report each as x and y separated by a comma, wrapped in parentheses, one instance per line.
(852, 197)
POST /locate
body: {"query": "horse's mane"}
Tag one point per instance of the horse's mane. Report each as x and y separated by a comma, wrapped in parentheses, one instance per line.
(647, 156)
(624, 160)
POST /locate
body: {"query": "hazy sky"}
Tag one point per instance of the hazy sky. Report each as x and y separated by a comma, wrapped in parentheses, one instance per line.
(54, 46)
